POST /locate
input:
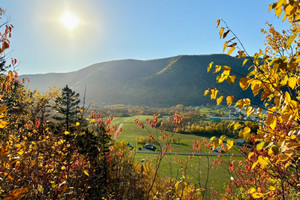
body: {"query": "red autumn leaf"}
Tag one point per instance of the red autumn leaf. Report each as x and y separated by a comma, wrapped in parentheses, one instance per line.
(231, 165)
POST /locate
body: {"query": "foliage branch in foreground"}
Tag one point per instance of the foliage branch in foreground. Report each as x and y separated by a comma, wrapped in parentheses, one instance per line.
(271, 168)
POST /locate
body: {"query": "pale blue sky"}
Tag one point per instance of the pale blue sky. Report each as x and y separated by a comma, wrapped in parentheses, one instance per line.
(121, 29)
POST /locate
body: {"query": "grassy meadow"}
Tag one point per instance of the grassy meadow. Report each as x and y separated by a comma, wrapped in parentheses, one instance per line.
(176, 165)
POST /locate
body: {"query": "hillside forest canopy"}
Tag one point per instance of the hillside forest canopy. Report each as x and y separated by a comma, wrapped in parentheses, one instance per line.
(55, 145)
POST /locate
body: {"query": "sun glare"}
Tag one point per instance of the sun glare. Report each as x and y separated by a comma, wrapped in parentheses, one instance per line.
(69, 21)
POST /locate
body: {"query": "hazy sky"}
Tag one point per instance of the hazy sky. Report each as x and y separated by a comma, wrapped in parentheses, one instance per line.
(121, 29)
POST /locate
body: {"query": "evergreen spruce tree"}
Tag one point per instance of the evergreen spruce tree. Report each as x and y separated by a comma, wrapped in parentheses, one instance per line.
(67, 105)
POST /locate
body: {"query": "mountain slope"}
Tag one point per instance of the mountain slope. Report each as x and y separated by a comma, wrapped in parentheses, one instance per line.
(161, 82)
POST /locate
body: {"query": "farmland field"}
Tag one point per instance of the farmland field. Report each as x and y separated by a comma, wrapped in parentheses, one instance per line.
(131, 131)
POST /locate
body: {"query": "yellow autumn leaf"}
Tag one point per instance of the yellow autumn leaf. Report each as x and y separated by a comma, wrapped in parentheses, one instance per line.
(231, 79)
(223, 137)
(288, 9)
(237, 125)
(225, 46)
(257, 195)
(221, 31)
(246, 131)
(77, 123)
(260, 146)
(67, 132)
(217, 68)
(272, 121)
(184, 184)
(223, 76)
(245, 61)
(225, 197)
(40, 188)
(239, 103)
(250, 155)
(292, 82)
(229, 100)
(263, 161)
(244, 84)
(209, 66)
(284, 81)
(63, 168)
(16, 194)
(3, 108)
(283, 158)
(247, 101)
(226, 68)
(272, 188)
(217, 142)
(3, 123)
(231, 50)
(254, 165)
(255, 87)
(21, 152)
(250, 111)
(86, 173)
(290, 40)
(278, 11)
(206, 92)
(177, 184)
(8, 176)
(213, 93)
(287, 97)
(251, 190)
(218, 23)
(230, 144)
(219, 100)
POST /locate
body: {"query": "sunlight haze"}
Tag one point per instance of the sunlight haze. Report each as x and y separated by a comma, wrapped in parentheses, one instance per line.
(68, 35)
(69, 21)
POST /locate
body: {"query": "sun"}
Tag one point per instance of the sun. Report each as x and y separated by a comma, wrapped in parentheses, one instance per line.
(69, 21)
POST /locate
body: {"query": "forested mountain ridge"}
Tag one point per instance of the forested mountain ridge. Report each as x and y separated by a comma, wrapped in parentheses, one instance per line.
(160, 82)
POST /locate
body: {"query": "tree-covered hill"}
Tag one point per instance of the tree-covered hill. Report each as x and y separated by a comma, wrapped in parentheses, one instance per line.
(161, 82)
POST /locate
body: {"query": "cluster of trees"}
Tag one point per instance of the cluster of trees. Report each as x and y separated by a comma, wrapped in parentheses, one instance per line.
(127, 110)
(220, 128)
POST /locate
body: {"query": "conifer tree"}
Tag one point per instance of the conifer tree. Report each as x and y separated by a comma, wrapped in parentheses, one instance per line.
(67, 105)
